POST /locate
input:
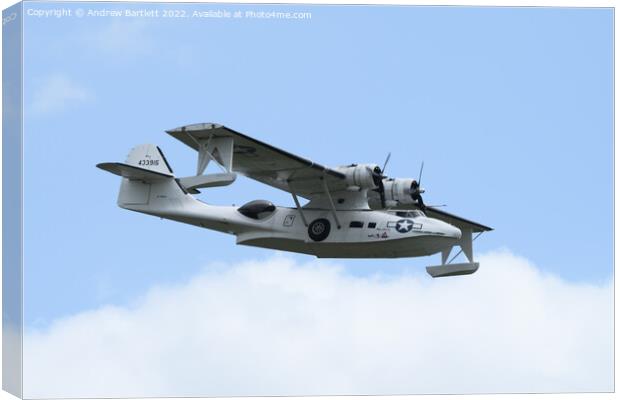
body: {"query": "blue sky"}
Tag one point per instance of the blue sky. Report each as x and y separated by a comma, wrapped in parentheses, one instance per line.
(510, 109)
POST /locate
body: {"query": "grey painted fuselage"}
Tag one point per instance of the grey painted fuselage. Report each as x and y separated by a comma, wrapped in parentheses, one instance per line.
(362, 234)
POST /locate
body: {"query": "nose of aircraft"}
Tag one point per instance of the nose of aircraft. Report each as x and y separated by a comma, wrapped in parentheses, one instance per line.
(450, 230)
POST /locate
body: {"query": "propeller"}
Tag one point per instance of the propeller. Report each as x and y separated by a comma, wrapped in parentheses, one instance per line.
(385, 163)
(417, 190)
(378, 176)
(420, 175)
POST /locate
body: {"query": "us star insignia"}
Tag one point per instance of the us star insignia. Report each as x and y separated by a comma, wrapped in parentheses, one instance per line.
(404, 225)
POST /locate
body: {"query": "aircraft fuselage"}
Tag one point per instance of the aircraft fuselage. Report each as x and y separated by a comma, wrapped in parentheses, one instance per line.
(362, 233)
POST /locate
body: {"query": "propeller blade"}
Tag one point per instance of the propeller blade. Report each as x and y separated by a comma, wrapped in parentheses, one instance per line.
(377, 176)
(420, 176)
(385, 163)
(381, 190)
(417, 190)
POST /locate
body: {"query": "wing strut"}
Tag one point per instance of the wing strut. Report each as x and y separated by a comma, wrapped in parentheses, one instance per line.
(468, 253)
(296, 200)
(448, 269)
(331, 202)
(218, 149)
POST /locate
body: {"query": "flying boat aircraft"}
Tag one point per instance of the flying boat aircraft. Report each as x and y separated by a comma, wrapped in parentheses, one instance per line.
(353, 211)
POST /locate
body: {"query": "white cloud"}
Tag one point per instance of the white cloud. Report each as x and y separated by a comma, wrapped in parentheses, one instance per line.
(275, 327)
(57, 94)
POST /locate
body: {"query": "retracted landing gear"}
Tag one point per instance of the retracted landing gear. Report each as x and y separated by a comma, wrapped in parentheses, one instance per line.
(448, 269)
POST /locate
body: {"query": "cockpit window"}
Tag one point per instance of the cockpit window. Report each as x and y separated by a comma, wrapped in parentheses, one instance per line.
(257, 209)
(410, 214)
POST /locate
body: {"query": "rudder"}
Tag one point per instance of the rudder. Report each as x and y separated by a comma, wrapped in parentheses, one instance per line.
(147, 178)
(150, 157)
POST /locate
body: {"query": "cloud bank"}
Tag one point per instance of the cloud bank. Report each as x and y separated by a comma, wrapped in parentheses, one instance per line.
(277, 327)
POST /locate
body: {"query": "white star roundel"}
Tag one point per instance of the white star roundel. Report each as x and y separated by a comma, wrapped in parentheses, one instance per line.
(404, 225)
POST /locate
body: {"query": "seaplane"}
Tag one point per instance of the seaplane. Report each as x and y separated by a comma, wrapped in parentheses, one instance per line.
(350, 211)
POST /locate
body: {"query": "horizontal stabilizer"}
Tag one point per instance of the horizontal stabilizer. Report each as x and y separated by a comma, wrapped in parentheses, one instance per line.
(134, 173)
(192, 183)
(438, 271)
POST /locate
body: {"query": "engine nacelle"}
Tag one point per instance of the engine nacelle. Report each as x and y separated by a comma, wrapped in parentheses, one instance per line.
(360, 176)
(398, 190)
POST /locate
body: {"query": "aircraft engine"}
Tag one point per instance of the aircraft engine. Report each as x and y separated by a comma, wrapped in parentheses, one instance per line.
(400, 191)
(362, 176)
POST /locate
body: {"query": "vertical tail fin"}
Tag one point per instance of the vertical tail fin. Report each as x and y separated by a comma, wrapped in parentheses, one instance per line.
(148, 182)
(150, 157)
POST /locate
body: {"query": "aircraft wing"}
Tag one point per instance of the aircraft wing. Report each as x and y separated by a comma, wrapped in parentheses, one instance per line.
(265, 163)
(434, 212)
(455, 220)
